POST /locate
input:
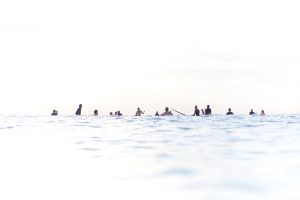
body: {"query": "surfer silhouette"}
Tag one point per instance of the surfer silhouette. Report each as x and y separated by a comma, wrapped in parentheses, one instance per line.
(197, 111)
(54, 113)
(139, 112)
(167, 112)
(78, 111)
(208, 110)
(252, 112)
(229, 112)
(203, 113)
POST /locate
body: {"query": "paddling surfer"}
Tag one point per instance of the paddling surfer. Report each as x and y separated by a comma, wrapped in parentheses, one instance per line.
(229, 112)
(78, 111)
(167, 112)
(139, 112)
(197, 112)
(208, 110)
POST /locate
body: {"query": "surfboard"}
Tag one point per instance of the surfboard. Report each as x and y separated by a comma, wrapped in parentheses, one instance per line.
(178, 112)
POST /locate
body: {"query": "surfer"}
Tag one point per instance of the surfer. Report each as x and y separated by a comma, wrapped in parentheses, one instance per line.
(167, 112)
(252, 112)
(139, 112)
(78, 111)
(119, 113)
(229, 112)
(54, 113)
(95, 112)
(262, 112)
(111, 114)
(156, 114)
(197, 112)
(208, 110)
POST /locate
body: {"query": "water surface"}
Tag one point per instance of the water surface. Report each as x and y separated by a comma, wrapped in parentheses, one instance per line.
(215, 158)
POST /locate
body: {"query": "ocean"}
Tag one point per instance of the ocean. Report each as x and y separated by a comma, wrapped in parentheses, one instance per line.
(214, 157)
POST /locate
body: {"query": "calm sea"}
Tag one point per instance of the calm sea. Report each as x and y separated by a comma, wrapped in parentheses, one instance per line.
(212, 158)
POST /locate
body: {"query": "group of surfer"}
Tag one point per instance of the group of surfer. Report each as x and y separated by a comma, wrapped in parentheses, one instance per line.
(207, 111)
(167, 112)
(250, 113)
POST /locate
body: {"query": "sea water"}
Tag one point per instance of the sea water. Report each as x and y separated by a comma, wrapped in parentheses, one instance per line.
(86, 157)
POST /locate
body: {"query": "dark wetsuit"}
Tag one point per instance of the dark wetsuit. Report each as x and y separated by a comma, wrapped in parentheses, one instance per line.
(207, 111)
(78, 112)
(251, 113)
(229, 113)
(197, 112)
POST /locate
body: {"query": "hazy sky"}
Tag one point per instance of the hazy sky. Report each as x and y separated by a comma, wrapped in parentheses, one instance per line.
(117, 55)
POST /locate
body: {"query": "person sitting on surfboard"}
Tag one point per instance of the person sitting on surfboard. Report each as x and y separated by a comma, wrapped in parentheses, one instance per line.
(262, 112)
(54, 113)
(139, 112)
(78, 111)
(252, 112)
(167, 113)
(208, 110)
(95, 112)
(229, 112)
(119, 113)
(197, 112)
(156, 114)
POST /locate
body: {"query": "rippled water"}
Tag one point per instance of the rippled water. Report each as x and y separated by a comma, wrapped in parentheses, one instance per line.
(87, 157)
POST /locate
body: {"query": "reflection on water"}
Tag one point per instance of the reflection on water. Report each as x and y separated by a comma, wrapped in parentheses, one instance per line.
(243, 157)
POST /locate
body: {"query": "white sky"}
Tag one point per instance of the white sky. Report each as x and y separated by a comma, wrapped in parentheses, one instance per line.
(118, 55)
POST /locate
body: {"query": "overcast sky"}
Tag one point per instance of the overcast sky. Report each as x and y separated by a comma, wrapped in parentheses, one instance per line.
(118, 55)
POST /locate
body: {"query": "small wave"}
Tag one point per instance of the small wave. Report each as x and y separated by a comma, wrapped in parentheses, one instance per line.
(8, 127)
(89, 149)
(178, 172)
(142, 147)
